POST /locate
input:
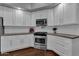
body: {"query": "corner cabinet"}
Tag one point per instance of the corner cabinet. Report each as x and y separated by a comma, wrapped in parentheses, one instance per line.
(63, 46)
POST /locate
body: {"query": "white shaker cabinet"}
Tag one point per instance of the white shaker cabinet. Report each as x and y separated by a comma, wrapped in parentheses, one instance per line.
(6, 44)
(50, 42)
(48, 14)
(27, 19)
(63, 46)
(58, 15)
(66, 14)
(15, 42)
(66, 46)
(50, 20)
(14, 17)
(21, 18)
(6, 13)
(43, 14)
(70, 13)
(35, 15)
(31, 38)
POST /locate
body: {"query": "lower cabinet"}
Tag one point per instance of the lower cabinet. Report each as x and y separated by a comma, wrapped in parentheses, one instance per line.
(31, 37)
(15, 42)
(62, 46)
(50, 42)
(6, 44)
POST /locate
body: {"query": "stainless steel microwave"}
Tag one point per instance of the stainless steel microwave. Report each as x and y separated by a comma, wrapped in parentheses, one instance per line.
(41, 22)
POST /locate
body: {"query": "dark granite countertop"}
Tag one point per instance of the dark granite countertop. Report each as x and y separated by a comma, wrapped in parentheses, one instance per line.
(16, 34)
(70, 36)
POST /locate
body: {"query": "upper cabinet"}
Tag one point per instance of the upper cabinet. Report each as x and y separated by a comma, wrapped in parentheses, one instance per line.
(22, 18)
(13, 17)
(70, 13)
(43, 14)
(66, 13)
(6, 13)
(58, 14)
(62, 14)
(51, 17)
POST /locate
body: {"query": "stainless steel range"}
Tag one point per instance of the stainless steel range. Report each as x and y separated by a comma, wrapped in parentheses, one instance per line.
(40, 41)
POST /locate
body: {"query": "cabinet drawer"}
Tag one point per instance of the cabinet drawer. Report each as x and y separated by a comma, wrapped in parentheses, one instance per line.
(63, 50)
(63, 44)
(65, 41)
(58, 51)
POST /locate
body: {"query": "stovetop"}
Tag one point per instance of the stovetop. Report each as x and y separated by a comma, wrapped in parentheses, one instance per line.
(41, 33)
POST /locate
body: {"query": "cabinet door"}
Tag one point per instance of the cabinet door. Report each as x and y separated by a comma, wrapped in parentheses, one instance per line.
(21, 18)
(6, 44)
(26, 41)
(20, 41)
(18, 20)
(7, 16)
(50, 42)
(27, 19)
(50, 17)
(63, 46)
(35, 15)
(58, 14)
(43, 14)
(16, 42)
(31, 36)
(69, 13)
(47, 14)
(33, 19)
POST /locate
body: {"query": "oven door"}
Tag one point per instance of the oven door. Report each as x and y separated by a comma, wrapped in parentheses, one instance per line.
(40, 40)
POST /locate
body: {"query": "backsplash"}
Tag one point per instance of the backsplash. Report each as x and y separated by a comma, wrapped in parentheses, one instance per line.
(69, 29)
(16, 29)
(66, 29)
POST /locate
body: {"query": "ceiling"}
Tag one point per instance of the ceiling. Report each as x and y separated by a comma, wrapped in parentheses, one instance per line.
(30, 6)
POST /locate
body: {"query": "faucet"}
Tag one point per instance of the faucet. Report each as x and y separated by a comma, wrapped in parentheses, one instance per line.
(55, 30)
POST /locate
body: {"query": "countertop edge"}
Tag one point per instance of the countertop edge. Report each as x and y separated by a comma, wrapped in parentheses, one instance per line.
(61, 35)
(16, 34)
(64, 36)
